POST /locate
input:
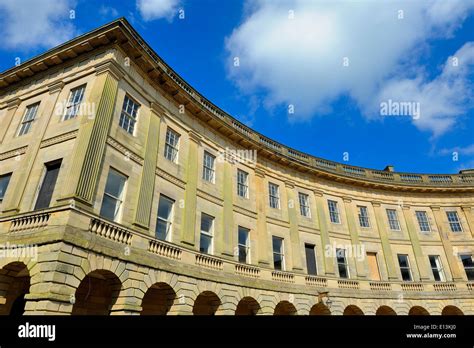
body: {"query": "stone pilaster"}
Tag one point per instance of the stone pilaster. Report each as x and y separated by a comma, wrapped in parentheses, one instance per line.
(12, 107)
(190, 196)
(263, 238)
(294, 234)
(387, 250)
(329, 264)
(469, 214)
(147, 181)
(228, 231)
(351, 223)
(91, 140)
(420, 259)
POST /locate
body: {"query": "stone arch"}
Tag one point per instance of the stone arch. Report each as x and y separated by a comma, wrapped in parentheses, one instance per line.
(97, 293)
(320, 309)
(206, 303)
(385, 310)
(451, 310)
(418, 310)
(158, 299)
(285, 308)
(353, 310)
(247, 306)
(14, 285)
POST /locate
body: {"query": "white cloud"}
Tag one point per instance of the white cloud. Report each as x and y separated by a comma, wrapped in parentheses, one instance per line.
(108, 11)
(31, 23)
(443, 99)
(299, 61)
(156, 9)
(467, 150)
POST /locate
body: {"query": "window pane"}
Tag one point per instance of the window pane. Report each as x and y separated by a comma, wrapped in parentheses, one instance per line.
(310, 259)
(406, 276)
(115, 184)
(47, 187)
(242, 253)
(164, 208)
(277, 245)
(206, 223)
(109, 207)
(205, 244)
(243, 235)
(403, 260)
(4, 181)
(113, 193)
(162, 229)
(128, 115)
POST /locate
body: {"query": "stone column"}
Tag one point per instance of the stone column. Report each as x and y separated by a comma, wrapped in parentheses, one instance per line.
(20, 179)
(293, 220)
(226, 241)
(448, 248)
(387, 250)
(190, 195)
(263, 238)
(147, 182)
(469, 213)
(351, 223)
(12, 107)
(328, 258)
(91, 142)
(415, 243)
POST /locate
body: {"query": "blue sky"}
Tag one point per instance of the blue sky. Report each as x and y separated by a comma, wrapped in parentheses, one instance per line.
(333, 63)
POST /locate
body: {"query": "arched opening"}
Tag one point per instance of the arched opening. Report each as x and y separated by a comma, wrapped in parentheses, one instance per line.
(247, 306)
(97, 293)
(451, 310)
(158, 299)
(417, 310)
(14, 285)
(206, 303)
(319, 309)
(353, 310)
(385, 310)
(285, 308)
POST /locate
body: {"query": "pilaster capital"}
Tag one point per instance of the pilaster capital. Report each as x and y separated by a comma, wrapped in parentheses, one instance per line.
(110, 66)
(56, 87)
(467, 208)
(194, 136)
(347, 199)
(259, 172)
(376, 203)
(405, 207)
(435, 207)
(289, 184)
(157, 109)
(13, 103)
(318, 193)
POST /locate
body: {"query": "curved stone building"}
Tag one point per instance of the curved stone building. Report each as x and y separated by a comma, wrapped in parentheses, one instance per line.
(125, 191)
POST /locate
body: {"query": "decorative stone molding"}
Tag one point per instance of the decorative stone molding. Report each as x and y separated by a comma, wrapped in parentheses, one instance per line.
(125, 151)
(194, 136)
(111, 66)
(13, 103)
(56, 87)
(170, 178)
(59, 139)
(12, 153)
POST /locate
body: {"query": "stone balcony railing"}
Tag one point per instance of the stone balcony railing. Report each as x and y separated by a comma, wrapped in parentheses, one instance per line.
(28, 224)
